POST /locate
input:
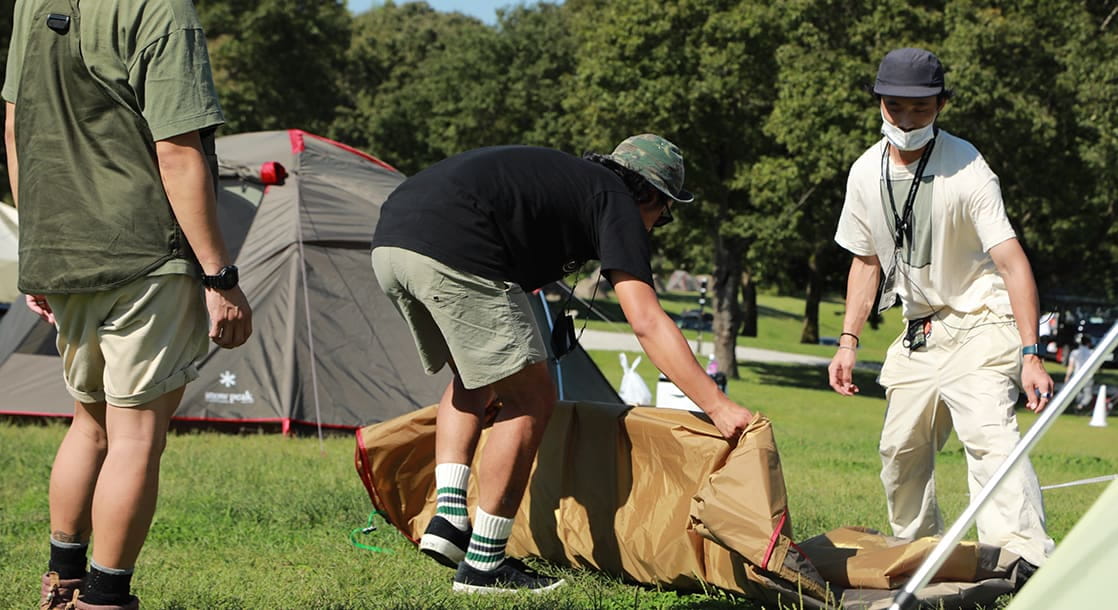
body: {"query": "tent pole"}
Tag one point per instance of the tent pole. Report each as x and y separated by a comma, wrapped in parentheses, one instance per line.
(906, 598)
(551, 328)
(310, 329)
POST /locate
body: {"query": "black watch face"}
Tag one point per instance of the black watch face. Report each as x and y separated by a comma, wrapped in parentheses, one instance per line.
(230, 276)
(224, 280)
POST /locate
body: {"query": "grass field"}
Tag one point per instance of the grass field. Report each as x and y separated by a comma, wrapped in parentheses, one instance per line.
(780, 322)
(260, 521)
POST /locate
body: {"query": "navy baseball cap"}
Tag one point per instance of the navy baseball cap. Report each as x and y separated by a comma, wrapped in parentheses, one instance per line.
(909, 73)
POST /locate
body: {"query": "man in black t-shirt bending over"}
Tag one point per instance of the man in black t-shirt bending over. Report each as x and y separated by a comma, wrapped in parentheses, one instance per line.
(457, 247)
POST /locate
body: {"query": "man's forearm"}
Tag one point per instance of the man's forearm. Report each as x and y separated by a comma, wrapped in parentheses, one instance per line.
(189, 187)
(10, 147)
(861, 287)
(669, 351)
(663, 342)
(1017, 274)
(1023, 301)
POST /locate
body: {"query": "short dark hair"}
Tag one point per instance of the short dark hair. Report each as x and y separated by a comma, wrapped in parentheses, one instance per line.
(637, 184)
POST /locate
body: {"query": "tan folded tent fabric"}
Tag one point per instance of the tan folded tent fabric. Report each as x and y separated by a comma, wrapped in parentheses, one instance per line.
(864, 558)
(656, 496)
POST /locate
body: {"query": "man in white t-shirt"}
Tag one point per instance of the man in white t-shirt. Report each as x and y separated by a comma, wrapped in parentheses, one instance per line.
(924, 211)
(1075, 360)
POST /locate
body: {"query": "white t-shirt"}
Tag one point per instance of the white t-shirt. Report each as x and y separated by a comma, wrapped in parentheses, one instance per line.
(958, 215)
(1079, 356)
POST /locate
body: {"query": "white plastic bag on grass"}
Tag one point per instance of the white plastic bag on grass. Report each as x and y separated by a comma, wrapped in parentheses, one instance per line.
(633, 390)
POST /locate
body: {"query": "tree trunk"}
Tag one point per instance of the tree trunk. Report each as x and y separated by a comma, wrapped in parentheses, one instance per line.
(749, 305)
(724, 303)
(810, 332)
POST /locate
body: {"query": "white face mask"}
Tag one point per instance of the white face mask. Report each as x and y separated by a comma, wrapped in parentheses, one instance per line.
(907, 140)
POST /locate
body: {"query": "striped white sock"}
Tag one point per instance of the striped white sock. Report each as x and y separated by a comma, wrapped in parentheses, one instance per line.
(451, 481)
(487, 543)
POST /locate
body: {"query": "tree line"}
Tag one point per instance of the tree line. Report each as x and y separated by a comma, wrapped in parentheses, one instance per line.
(767, 99)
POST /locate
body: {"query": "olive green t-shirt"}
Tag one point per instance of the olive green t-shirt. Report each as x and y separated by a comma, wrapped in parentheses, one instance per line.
(152, 54)
(150, 58)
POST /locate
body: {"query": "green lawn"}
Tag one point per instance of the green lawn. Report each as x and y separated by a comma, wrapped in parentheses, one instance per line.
(260, 521)
(780, 322)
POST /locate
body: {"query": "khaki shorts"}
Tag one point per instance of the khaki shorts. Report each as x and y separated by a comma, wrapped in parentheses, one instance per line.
(485, 326)
(130, 345)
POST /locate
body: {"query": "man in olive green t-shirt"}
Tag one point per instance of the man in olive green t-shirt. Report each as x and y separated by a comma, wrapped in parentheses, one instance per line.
(110, 115)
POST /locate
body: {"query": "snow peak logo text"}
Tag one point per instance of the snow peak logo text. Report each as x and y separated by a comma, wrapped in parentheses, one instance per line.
(229, 379)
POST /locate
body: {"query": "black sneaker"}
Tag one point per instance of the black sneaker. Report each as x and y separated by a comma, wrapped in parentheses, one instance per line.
(1023, 571)
(444, 543)
(511, 576)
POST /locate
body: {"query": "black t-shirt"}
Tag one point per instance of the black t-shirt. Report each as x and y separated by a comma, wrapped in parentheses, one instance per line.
(521, 214)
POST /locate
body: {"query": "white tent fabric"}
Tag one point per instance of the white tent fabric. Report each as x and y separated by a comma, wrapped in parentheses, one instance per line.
(9, 253)
(1078, 574)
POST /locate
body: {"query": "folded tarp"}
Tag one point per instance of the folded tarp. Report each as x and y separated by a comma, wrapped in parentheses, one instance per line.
(657, 496)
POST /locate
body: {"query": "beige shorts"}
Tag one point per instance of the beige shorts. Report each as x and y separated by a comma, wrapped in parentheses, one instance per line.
(130, 345)
(486, 326)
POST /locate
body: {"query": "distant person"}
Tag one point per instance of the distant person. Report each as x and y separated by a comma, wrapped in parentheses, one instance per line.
(457, 248)
(1065, 334)
(1075, 360)
(923, 205)
(109, 118)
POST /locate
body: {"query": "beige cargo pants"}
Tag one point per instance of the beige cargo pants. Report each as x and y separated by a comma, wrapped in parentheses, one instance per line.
(965, 378)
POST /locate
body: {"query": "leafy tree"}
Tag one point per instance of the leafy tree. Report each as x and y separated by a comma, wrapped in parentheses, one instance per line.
(390, 102)
(1038, 80)
(700, 73)
(1049, 152)
(767, 105)
(277, 63)
(430, 84)
(825, 119)
(1092, 65)
(536, 55)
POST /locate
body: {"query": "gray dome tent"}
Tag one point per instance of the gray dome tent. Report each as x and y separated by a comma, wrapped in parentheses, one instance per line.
(297, 212)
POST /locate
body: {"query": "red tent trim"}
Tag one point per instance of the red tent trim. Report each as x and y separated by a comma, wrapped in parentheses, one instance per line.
(773, 539)
(364, 470)
(298, 145)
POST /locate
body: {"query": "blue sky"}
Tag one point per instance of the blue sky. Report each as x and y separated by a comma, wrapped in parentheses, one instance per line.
(486, 10)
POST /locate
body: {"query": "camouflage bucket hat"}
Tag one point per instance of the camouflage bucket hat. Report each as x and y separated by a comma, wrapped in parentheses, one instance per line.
(656, 160)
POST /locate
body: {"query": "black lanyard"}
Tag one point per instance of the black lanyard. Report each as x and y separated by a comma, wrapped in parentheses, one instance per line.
(902, 224)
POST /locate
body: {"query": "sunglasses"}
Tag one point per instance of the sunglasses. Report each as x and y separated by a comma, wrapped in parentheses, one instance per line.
(665, 216)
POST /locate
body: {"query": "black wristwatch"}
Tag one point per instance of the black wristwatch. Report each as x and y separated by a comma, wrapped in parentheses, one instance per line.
(224, 280)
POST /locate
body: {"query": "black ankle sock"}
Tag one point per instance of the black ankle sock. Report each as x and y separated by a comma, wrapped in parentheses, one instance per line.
(104, 588)
(69, 562)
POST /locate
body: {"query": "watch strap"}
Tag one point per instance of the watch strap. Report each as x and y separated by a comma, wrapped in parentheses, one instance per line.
(225, 279)
(1031, 350)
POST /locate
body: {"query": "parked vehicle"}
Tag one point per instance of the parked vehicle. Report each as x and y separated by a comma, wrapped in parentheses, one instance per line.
(692, 319)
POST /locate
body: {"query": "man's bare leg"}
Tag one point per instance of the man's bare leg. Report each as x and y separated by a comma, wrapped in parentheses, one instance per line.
(125, 497)
(74, 474)
(457, 429)
(458, 422)
(527, 400)
(72, 480)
